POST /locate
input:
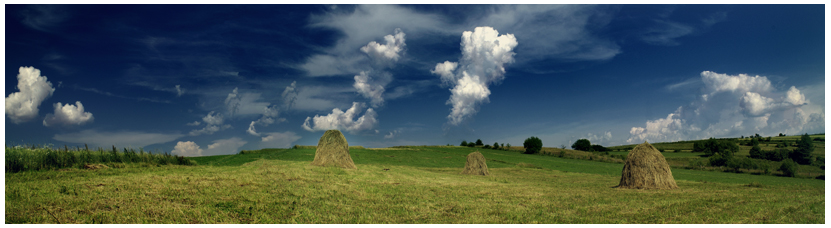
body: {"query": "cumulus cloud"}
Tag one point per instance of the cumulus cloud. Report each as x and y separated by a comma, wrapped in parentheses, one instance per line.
(104, 139)
(392, 134)
(23, 106)
(484, 54)
(730, 105)
(213, 123)
(599, 138)
(386, 53)
(68, 115)
(343, 120)
(279, 139)
(270, 116)
(370, 83)
(372, 87)
(187, 149)
(224, 146)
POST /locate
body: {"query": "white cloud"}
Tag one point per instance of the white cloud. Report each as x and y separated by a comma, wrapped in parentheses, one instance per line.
(23, 106)
(386, 53)
(187, 149)
(132, 139)
(279, 139)
(68, 115)
(732, 105)
(484, 54)
(599, 139)
(43, 17)
(320, 98)
(392, 134)
(372, 88)
(179, 91)
(224, 146)
(343, 120)
(195, 123)
(366, 22)
(213, 123)
(232, 102)
(666, 32)
(290, 95)
(270, 116)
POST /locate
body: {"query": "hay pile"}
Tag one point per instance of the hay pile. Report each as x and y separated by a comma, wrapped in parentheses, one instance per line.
(475, 164)
(333, 150)
(646, 168)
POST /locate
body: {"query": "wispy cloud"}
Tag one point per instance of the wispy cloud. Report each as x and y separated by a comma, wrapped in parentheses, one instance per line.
(44, 18)
(97, 91)
(106, 139)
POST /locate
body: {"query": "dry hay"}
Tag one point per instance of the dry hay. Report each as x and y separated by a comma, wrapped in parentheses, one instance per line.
(333, 150)
(476, 165)
(646, 168)
(95, 166)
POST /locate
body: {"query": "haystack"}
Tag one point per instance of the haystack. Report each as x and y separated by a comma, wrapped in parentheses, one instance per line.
(646, 168)
(475, 164)
(333, 150)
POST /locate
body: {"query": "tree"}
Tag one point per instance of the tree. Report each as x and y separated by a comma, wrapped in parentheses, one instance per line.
(599, 148)
(532, 145)
(582, 144)
(479, 142)
(802, 153)
(471, 144)
(496, 145)
(788, 168)
(464, 143)
(754, 142)
(503, 146)
(756, 152)
(509, 146)
(723, 147)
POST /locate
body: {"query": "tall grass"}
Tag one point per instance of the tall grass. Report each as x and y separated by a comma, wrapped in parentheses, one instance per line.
(20, 159)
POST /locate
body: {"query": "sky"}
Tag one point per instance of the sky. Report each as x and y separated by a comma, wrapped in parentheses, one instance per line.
(200, 80)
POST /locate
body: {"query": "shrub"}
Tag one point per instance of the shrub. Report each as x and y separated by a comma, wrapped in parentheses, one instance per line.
(717, 160)
(582, 144)
(471, 144)
(487, 146)
(464, 143)
(495, 145)
(532, 145)
(788, 168)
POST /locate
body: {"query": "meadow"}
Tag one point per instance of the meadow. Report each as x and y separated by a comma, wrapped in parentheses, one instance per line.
(420, 184)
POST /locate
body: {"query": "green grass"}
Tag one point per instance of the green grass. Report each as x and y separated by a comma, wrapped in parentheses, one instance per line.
(421, 185)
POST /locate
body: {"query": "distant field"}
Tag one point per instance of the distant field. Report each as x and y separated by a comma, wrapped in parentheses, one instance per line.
(422, 185)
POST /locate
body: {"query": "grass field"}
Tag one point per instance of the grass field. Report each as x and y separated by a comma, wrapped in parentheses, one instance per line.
(421, 185)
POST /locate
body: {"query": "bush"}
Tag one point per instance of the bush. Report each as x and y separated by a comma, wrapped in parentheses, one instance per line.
(479, 142)
(532, 145)
(487, 146)
(788, 168)
(582, 144)
(717, 160)
(464, 143)
(495, 145)
(471, 144)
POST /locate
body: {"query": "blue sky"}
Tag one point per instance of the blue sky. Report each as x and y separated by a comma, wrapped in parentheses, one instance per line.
(216, 79)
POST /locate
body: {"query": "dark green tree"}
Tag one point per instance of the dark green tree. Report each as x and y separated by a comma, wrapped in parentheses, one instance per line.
(802, 153)
(464, 143)
(788, 168)
(496, 145)
(599, 148)
(582, 144)
(479, 142)
(471, 144)
(532, 145)
(754, 142)
(756, 152)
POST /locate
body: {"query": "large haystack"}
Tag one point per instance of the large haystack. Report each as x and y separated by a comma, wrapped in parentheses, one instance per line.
(646, 168)
(333, 150)
(475, 164)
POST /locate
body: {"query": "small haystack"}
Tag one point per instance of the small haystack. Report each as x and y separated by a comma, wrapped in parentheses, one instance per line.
(333, 150)
(646, 168)
(475, 164)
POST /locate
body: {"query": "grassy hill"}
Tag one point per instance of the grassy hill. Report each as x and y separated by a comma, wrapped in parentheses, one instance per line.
(400, 185)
